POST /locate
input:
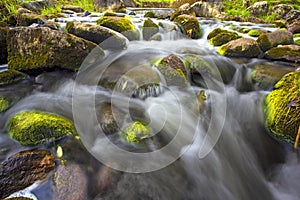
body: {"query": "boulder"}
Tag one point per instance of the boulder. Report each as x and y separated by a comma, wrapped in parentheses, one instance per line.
(215, 32)
(3, 45)
(242, 47)
(268, 40)
(259, 8)
(105, 37)
(183, 9)
(4, 104)
(265, 75)
(23, 169)
(33, 127)
(282, 108)
(294, 27)
(149, 14)
(26, 19)
(34, 50)
(292, 16)
(38, 6)
(281, 10)
(121, 25)
(223, 38)
(149, 29)
(284, 52)
(11, 76)
(190, 24)
(75, 9)
(206, 8)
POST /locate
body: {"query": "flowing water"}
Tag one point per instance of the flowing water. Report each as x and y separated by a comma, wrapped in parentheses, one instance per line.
(222, 153)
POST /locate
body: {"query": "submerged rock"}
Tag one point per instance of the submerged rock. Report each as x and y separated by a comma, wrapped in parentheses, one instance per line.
(269, 40)
(3, 44)
(121, 25)
(243, 47)
(4, 104)
(190, 24)
(266, 75)
(33, 127)
(34, 50)
(223, 38)
(282, 108)
(11, 76)
(23, 169)
(105, 37)
(284, 52)
(136, 132)
(149, 29)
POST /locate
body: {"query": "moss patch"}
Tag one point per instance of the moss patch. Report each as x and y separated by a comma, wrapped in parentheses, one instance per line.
(288, 53)
(136, 132)
(4, 104)
(11, 76)
(282, 108)
(190, 24)
(33, 127)
(255, 33)
(215, 32)
(223, 38)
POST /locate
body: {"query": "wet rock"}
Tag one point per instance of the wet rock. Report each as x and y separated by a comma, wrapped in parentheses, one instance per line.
(149, 29)
(52, 25)
(243, 47)
(255, 33)
(23, 169)
(215, 32)
(75, 9)
(268, 40)
(266, 75)
(26, 19)
(121, 25)
(281, 10)
(38, 6)
(294, 27)
(259, 8)
(11, 76)
(3, 44)
(183, 9)
(150, 14)
(136, 132)
(173, 70)
(34, 50)
(109, 13)
(282, 108)
(284, 52)
(190, 24)
(223, 38)
(4, 104)
(105, 37)
(206, 8)
(70, 183)
(33, 127)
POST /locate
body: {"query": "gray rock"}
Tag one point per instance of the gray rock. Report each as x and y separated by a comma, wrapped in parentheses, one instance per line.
(75, 9)
(259, 8)
(206, 9)
(268, 40)
(281, 10)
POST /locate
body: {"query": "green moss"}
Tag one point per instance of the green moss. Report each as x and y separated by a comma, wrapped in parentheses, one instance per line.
(109, 13)
(4, 104)
(136, 132)
(264, 42)
(297, 42)
(190, 25)
(215, 32)
(149, 29)
(282, 109)
(296, 35)
(121, 25)
(279, 53)
(150, 14)
(33, 127)
(11, 76)
(223, 38)
(254, 33)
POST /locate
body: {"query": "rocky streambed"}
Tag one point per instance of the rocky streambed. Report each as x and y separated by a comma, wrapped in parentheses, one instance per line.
(118, 106)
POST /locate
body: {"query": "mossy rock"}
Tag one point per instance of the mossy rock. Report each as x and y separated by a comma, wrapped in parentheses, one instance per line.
(223, 38)
(282, 108)
(26, 19)
(33, 127)
(267, 41)
(255, 33)
(136, 132)
(284, 52)
(109, 13)
(121, 25)
(105, 37)
(266, 75)
(4, 104)
(34, 50)
(215, 32)
(149, 14)
(149, 29)
(11, 76)
(190, 24)
(297, 42)
(3, 44)
(242, 47)
(296, 35)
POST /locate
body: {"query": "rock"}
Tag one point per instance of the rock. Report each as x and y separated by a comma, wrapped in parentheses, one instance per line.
(69, 12)
(190, 24)
(215, 32)
(3, 45)
(268, 40)
(284, 52)
(297, 42)
(136, 132)
(294, 27)
(292, 16)
(105, 37)
(259, 8)
(23, 169)
(33, 127)
(223, 38)
(149, 29)
(255, 33)
(266, 75)
(149, 14)
(255, 20)
(19, 198)
(11, 76)
(243, 47)
(38, 6)
(4, 104)
(206, 8)
(26, 19)
(104, 4)
(173, 70)
(282, 108)
(183, 9)
(121, 25)
(34, 50)
(70, 182)
(281, 10)
(52, 25)
(109, 13)
(75, 9)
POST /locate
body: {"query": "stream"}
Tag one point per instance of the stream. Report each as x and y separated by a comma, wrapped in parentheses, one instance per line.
(221, 151)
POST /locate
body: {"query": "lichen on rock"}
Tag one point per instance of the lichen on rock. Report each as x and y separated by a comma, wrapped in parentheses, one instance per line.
(34, 127)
